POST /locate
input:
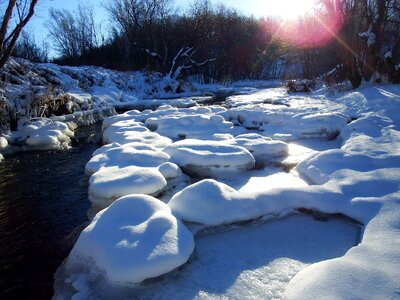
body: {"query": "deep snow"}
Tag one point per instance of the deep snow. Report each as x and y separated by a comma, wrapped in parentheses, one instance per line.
(344, 151)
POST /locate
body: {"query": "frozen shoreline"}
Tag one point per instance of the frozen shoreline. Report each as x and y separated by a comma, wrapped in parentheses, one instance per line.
(343, 180)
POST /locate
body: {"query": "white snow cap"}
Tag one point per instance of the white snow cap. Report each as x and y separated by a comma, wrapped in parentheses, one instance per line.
(195, 126)
(110, 183)
(206, 158)
(262, 148)
(3, 142)
(126, 156)
(170, 170)
(118, 128)
(212, 203)
(152, 138)
(135, 238)
(47, 135)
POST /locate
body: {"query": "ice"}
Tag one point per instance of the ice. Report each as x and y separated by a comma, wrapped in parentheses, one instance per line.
(126, 156)
(135, 238)
(110, 183)
(205, 158)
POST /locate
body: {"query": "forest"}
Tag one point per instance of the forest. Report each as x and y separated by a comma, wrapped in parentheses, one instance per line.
(352, 40)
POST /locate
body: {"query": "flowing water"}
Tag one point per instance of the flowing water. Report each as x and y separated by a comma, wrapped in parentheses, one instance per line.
(43, 198)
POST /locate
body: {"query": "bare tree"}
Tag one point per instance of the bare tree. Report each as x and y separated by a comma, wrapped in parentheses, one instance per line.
(22, 11)
(74, 34)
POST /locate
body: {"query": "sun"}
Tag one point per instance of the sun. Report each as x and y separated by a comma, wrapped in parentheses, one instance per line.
(290, 9)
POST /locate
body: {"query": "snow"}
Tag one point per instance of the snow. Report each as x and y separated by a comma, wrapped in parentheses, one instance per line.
(110, 183)
(205, 157)
(3, 142)
(124, 156)
(54, 135)
(169, 170)
(195, 126)
(344, 151)
(262, 148)
(152, 138)
(135, 238)
(1, 157)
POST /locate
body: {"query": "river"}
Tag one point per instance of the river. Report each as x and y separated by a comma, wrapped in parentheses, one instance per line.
(43, 198)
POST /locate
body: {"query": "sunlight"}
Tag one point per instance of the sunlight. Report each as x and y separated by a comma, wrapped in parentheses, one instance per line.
(290, 9)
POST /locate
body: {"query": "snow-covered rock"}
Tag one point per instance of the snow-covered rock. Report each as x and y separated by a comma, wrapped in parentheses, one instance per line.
(152, 138)
(211, 203)
(195, 126)
(48, 135)
(169, 170)
(134, 239)
(205, 158)
(126, 156)
(110, 183)
(117, 128)
(3, 143)
(262, 148)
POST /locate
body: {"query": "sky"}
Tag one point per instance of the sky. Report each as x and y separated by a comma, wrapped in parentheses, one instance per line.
(37, 25)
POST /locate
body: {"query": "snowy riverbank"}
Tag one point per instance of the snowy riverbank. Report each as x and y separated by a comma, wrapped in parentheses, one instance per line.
(343, 153)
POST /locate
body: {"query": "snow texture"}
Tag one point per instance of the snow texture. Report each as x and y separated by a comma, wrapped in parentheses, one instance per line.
(205, 158)
(110, 183)
(124, 156)
(135, 238)
(353, 169)
(3, 143)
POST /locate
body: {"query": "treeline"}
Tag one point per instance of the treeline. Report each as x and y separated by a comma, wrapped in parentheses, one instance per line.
(360, 39)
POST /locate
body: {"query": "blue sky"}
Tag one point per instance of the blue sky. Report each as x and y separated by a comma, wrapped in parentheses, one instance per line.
(38, 22)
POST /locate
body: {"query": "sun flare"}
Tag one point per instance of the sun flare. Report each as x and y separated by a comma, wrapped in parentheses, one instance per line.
(290, 9)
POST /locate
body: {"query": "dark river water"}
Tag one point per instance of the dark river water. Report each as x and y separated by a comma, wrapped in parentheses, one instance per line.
(43, 198)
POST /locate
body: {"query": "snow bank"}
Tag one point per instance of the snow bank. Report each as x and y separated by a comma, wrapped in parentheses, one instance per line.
(135, 238)
(205, 158)
(110, 183)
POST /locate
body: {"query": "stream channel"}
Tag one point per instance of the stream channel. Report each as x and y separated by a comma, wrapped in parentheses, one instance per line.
(43, 198)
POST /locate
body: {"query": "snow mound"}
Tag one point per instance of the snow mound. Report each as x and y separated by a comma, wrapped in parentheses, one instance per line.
(46, 135)
(110, 183)
(134, 145)
(152, 138)
(170, 170)
(212, 203)
(262, 148)
(126, 156)
(307, 126)
(3, 142)
(205, 158)
(135, 238)
(196, 126)
(121, 127)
